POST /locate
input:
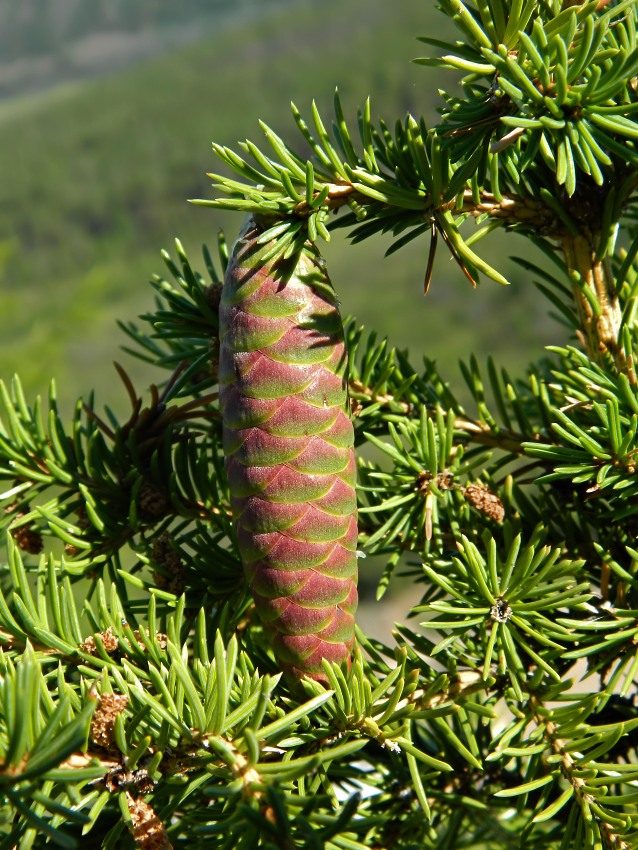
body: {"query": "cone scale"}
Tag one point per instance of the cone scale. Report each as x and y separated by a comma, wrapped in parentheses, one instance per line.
(288, 442)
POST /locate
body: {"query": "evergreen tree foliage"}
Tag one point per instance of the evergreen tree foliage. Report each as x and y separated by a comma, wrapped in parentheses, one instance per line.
(140, 703)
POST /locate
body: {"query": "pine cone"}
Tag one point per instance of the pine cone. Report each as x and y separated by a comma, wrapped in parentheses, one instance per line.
(288, 442)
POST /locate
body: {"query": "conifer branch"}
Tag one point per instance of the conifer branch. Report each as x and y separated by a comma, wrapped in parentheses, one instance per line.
(141, 701)
(477, 431)
(612, 839)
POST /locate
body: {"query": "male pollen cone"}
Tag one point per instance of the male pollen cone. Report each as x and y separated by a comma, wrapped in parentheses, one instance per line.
(288, 441)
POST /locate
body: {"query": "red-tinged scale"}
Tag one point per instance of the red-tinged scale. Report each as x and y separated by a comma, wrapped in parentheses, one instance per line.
(288, 441)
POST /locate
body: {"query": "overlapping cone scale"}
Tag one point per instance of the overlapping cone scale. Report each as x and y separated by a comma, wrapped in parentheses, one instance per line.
(288, 441)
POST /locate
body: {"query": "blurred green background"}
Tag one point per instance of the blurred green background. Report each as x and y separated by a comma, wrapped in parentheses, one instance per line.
(107, 111)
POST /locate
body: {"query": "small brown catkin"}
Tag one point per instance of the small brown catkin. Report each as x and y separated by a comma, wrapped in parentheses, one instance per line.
(103, 722)
(488, 503)
(110, 642)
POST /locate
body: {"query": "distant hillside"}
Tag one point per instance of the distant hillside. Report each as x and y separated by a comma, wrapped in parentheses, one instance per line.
(43, 42)
(96, 177)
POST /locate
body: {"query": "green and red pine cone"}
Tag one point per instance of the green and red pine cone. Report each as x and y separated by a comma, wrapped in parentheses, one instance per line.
(288, 441)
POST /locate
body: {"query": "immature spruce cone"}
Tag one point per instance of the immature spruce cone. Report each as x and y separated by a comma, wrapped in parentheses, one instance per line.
(288, 442)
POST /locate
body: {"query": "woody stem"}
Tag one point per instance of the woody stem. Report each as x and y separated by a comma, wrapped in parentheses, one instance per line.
(596, 298)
